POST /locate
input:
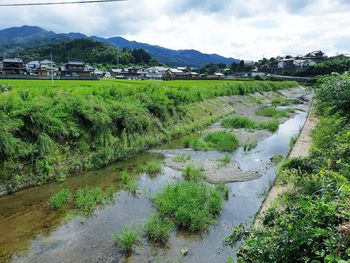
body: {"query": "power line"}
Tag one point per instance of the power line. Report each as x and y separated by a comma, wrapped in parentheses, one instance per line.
(61, 3)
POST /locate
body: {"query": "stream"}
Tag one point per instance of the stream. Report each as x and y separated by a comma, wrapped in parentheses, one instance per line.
(30, 232)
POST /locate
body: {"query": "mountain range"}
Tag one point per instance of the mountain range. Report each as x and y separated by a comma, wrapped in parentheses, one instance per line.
(20, 38)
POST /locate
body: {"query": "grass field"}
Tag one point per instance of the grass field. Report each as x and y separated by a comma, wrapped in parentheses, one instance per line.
(48, 133)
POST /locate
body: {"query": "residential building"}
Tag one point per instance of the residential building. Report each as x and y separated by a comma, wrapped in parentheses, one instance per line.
(75, 68)
(13, 66)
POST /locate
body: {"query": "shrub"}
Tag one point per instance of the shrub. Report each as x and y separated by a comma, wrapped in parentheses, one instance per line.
(191, 206)
(158, 229)
(61, 198)
(126, 239)
(191, 173)
(152, 167)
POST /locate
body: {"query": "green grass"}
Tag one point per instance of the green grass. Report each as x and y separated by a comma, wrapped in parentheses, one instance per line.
(274, 113)
(182, 158)
(158, 229)
(191, 173)
(87, 199)
(247, 123)
(152, 168)
(127, 182)
(222, 141)
(126, 239)
(60, 199)
(190, 205)
(250, 145)
(284, 102)
(82, 125)
(225, 160)
(223, 189)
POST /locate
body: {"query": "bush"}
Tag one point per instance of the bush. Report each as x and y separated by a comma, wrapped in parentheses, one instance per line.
(158, 229)
(61, 198)
(126, 239)
(191, 206)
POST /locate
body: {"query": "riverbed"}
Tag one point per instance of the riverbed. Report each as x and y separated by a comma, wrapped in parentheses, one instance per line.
(30, 232)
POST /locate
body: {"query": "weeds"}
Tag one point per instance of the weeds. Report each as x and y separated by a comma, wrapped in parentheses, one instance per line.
(192, 173)
(126, 239)
(284, 102)
(60, 199)
(158, 229)
(127, 182)
(182, 158)
(87, 199)
(250, 145)
(247, 123)
(274, 112)
(225, 160)
(191, 206)
(152, 168)
(223, 189)
(293, 141)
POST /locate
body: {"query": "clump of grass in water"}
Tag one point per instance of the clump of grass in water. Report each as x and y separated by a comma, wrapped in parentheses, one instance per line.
(224, 161)
(190, 205)
(249, 146)
(222, 141)
(126, 239)
(87, 199)
(192, 173)
(182, 158)
(127, 182)
(60, 199)
(247, 123)
(158, 229)
(152, 168)
(223, 189)
(284, 102)
(273, 112)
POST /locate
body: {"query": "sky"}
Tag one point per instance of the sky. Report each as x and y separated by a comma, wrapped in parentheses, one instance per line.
(244, 29)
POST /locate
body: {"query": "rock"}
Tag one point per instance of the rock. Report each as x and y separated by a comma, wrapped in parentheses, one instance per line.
(184, 251)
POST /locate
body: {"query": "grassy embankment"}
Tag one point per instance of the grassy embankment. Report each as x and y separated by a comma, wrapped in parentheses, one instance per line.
(310, 222)
(49, 133)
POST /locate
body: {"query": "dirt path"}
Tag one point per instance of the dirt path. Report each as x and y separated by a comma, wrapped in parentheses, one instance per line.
(301, 149)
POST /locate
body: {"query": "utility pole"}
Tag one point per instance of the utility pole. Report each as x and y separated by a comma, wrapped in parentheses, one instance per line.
(52, 84)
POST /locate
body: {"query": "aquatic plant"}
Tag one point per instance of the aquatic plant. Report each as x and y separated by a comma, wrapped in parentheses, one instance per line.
(152, 167)
(250, 145)
(60, 199)
(191, 173)
(190, 205)
(86, 199)
(284, 101)
(126, 239)
(158, 229)
(223, 189)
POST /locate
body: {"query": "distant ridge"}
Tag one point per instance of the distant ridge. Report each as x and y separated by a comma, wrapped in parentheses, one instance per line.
(19, 38)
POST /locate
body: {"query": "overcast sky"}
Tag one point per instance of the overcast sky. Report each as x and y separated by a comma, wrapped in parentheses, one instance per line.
(247, 29)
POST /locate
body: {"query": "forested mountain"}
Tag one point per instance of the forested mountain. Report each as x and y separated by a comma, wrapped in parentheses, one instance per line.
(90, 51)
(20, 38)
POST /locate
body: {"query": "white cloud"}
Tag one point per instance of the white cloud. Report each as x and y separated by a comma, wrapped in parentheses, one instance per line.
(238, 28)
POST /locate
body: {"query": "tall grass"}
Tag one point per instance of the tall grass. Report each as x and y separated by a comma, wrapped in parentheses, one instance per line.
(274, 112)
(158, 229)
(60, 199)
(126, 239)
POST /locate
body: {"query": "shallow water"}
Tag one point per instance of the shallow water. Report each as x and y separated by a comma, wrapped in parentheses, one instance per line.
(30, 232)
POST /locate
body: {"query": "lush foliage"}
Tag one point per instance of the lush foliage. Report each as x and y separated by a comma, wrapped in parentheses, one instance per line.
(190, 205)
(247, 123)
(311, 221)
(50, 133)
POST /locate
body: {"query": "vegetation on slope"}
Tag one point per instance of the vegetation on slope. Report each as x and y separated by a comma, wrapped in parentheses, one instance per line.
(311, 221)
(49, 133)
